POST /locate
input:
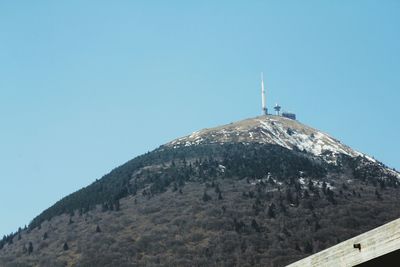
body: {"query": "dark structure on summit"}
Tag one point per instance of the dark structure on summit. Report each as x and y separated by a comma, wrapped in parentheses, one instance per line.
(289, 115)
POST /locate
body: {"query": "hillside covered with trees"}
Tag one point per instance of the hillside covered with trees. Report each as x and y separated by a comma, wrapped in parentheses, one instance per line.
(211, 204)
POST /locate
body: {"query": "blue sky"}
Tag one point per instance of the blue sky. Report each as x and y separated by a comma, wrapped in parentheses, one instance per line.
(87, 85)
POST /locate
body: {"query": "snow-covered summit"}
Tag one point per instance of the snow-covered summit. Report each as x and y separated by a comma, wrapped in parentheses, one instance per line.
(275, 130)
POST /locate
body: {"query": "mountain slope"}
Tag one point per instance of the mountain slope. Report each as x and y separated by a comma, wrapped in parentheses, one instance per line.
(264, 191)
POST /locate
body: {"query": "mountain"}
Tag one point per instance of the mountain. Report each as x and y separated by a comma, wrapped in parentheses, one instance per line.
(265, 191)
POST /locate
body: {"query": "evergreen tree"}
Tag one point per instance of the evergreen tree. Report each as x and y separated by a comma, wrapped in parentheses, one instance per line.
(175, 187)
(217, 190)
(117, 205)
(308, 247)
(111, 206)
(378, 195)
(317, 226)
(330, 196)
(104, 207)
(206, 197)
(30, 248)
(311, 185)
(289, 197)
(271, 210)
(255, 225)
(324, 186)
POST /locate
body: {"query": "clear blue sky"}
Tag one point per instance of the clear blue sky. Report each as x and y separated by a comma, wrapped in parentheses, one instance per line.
(87, 85)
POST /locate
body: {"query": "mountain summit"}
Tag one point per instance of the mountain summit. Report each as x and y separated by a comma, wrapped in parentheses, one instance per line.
(269, 129)
(264, 191)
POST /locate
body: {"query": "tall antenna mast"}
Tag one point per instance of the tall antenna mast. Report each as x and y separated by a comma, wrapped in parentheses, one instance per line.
(264, 107)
